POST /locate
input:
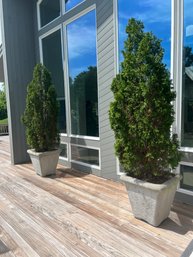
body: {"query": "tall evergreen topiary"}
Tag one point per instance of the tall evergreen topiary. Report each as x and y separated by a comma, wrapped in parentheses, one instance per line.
(142, 113)
(40, 116)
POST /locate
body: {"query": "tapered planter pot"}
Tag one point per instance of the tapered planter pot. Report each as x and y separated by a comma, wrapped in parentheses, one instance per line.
(44, 163)
(151, 202)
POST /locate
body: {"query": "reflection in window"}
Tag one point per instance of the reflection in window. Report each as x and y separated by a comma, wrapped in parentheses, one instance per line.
(86, 155)
(83, 75)
(71, 3)
(187, 83)
(187, 177)
(52, 59)
(49, 10)
(63, 149)
(156, 16)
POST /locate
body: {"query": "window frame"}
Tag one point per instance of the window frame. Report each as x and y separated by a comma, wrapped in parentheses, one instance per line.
(64, 6)
(83, 163)
(57, 28)
(39, 15)
(66, 67)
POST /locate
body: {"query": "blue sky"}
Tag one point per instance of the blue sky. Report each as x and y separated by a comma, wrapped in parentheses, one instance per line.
(82, 44)
(188, 23)
(156, 16)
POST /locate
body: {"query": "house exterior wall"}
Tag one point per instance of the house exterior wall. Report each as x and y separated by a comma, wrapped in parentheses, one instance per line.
(19, 59)
(1, 64)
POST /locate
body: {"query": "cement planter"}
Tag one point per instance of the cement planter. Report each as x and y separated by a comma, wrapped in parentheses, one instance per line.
(151, 202)
(44, 163)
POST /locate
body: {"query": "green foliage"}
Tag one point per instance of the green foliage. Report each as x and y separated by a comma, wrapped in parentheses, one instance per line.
(4, 122)
(40, 116)
(3, 105)
(142, 113)
(86, 97)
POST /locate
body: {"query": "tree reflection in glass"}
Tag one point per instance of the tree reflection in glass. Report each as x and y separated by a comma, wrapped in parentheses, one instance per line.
(187, 79)
(187, 98)
(83, 76)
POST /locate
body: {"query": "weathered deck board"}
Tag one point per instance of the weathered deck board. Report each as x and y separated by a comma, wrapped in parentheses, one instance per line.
(78, 215)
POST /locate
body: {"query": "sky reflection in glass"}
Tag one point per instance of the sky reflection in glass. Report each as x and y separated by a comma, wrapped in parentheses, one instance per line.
(71, 3)
(81, 36)
(156, 16)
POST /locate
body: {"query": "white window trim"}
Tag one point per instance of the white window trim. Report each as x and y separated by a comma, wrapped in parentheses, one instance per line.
(116, 47)
(85, 137)
(63, 134)
(177, 61)
(80, 14)
(64, 6)
(39, 18)
(185, 191)
(86, 164)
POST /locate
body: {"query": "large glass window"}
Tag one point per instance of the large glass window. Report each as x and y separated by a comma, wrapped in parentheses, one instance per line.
(49, 10)
(52, 59)
(187, 83)
(187, 177)
(81, 35)
(85, 155)
(156, 16)
(69, 4)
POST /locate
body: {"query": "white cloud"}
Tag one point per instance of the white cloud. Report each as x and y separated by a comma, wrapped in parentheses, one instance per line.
(189, 30)
(150, 11)
(81, 40)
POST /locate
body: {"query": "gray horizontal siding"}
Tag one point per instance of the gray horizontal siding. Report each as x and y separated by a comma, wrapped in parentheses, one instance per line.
(19, 57)
(106, 72)
(1, 70)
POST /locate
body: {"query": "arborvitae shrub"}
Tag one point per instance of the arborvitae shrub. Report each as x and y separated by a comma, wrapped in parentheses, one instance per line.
(40, 116)
(142, 112)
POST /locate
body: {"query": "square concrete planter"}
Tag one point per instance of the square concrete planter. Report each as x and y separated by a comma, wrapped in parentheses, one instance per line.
(151, 202)
(44, 163)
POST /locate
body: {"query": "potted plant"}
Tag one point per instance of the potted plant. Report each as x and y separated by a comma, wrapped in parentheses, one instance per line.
(40, 120)
(141, 116)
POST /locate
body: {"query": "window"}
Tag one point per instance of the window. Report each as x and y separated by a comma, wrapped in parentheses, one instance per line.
(63, 148)
(52, 59)
(187, 82)
(49, 10)
(85, 155)
(156, 16)
(81, 36)
(187, 177)
(69, 4)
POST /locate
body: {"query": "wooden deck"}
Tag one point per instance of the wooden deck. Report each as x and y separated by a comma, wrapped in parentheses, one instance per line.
(74, 215)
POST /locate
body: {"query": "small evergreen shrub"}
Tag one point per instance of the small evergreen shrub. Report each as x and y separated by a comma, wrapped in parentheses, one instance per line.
(40, 116)
(142, 113)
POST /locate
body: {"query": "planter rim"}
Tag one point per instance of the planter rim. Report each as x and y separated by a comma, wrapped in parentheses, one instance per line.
(149, 185)
(33, 152)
